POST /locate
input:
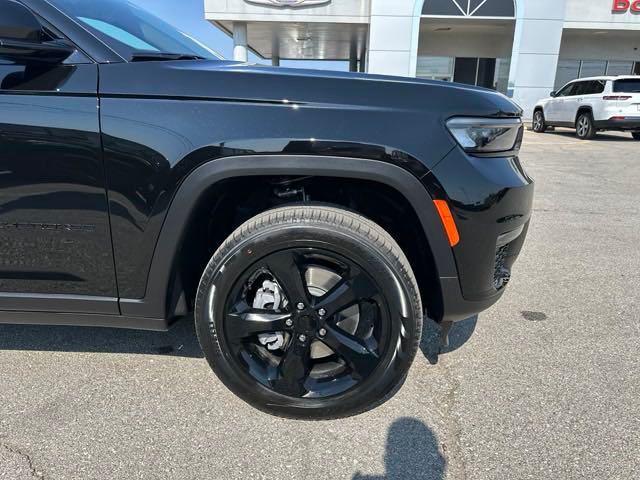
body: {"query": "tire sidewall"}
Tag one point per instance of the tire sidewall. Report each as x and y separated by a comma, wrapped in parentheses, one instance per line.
(223, 271)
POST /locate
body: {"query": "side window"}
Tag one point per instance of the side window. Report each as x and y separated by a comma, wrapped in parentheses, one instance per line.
(567, 90)
(581, 88)
(598, 87)
(588, 88)
(592, 88)
(10, 21)
(15, 23)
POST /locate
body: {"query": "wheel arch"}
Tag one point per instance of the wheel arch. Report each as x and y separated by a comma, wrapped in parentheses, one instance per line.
(160, 295)
(583, 109)
(538, 109)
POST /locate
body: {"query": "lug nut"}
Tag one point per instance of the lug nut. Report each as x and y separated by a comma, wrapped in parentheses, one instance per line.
(322, 332)
(289, 322)
(302, 338)
(322, 312)
(300, 306)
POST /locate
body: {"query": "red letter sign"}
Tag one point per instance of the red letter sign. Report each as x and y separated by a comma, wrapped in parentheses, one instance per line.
(621, 5)
(635, 6)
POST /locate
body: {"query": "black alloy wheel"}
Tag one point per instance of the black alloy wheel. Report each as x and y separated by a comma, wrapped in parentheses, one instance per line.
(347, 355)
(309, 312)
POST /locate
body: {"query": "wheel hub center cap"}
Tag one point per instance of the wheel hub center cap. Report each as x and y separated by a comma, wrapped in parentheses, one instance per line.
(307, 324)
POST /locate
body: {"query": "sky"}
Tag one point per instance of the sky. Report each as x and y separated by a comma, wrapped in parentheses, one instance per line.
(188, 15)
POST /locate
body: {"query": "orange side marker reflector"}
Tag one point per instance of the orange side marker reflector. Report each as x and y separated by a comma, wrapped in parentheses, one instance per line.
(447, 222)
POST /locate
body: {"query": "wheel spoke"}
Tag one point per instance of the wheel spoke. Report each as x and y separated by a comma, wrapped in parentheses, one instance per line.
(253, 322)
(293, 370)
(287, 268)
(360, 359)
(347, 292)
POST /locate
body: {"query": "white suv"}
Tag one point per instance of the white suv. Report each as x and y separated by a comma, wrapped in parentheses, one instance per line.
(592, 104)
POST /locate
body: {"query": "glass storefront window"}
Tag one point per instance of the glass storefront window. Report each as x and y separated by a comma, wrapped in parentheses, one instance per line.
(485, 72)
(436, 68)
(619, 68)
(503, 65)
(572, 69)
(567, 70)
(593, 68)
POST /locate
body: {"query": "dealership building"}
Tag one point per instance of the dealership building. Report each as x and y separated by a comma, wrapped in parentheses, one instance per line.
(523, 48)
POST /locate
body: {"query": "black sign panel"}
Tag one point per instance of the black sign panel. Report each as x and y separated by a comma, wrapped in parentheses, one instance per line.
(469, 8)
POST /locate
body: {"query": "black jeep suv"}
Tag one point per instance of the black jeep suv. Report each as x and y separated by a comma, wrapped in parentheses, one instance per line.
(307, 220)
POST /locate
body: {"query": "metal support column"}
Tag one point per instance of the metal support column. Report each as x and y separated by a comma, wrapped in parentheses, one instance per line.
(353, 55)
(240, 42)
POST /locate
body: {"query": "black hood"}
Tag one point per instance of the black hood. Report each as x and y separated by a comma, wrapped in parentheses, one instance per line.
(227, 80)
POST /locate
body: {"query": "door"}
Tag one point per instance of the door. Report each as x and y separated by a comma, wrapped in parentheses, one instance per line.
(55, 246)
(554, 110)
(466, 70)
(475, 71)
(486, 73)
(572, 102)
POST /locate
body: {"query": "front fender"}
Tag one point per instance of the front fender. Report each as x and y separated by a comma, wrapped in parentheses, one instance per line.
(205, 177)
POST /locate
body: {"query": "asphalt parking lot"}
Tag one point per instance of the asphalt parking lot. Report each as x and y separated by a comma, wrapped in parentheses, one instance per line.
(545, 385)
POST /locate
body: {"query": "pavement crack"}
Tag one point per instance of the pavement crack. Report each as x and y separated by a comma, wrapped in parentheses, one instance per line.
(35, 473)
(452, 449)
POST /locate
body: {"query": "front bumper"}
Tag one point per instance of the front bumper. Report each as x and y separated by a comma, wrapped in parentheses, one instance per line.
(491, 200)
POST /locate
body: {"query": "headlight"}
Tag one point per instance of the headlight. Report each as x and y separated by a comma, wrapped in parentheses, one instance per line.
(487, 135)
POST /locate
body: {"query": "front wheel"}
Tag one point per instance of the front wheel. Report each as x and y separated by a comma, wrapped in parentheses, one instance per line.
(539, 125)
(309, 312)
(585, 129)
(636, 135)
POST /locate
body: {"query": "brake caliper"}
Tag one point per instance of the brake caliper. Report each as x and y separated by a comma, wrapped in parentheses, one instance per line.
(269, 297)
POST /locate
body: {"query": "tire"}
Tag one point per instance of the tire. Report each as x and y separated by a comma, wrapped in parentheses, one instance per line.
(539, 124)
(306, 363)
(585, 129)
(635, 135)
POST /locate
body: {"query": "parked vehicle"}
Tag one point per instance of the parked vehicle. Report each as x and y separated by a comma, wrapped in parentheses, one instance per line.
(591, 105)
(308, 220)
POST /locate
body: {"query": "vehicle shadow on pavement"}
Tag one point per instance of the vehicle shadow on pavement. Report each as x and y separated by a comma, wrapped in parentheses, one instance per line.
(411, 452)
(460, 333)
(600, 137)
(180, 340)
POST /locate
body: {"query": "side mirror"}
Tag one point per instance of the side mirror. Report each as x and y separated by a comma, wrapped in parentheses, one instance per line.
(23, 40)
(553, 94)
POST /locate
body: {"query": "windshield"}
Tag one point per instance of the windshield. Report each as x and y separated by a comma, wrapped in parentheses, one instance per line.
(132, 31)
(630, 85)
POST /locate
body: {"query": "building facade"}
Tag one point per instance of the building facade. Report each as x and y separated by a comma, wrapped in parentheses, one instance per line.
(522, 48)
